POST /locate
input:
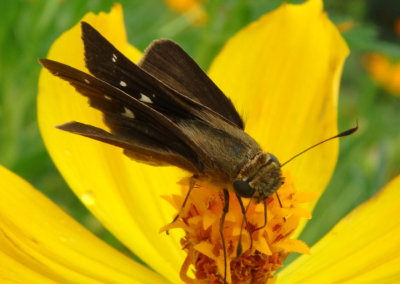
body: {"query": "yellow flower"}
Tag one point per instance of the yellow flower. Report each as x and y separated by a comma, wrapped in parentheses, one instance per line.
(192, 9)
(384, 71)
(346, 26)
(283, 73)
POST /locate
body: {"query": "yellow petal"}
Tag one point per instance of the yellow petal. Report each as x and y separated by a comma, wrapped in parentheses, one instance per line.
(39, 243)
(364, 247)
(122, 194)
(282, 72)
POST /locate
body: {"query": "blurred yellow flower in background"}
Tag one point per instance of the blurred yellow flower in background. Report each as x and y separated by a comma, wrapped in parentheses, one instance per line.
(192, 9)
(384, 70)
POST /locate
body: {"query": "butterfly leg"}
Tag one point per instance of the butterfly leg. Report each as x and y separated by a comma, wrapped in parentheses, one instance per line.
(265, 213)
(225, 210)
(192, 182)
(244, 220)
(265, 217)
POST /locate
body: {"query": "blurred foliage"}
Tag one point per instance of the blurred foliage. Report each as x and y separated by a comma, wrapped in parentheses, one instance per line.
(367, 161)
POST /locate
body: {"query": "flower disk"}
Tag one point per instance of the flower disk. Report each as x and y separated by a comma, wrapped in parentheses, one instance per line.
(271, 245)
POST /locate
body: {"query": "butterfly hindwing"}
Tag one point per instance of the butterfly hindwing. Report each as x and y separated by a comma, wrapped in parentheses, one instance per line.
(138, 151)
(168, 62)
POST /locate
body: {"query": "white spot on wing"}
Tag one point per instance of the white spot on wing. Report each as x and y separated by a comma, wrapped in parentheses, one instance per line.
(114, 58)
(145, 99)
(123, 84)
(128, 113)
(107, 97)
(86, 81)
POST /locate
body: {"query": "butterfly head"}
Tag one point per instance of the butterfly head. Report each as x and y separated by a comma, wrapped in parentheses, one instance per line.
(263, 183)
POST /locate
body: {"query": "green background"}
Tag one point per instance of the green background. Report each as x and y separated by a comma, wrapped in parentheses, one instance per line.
(367, 161)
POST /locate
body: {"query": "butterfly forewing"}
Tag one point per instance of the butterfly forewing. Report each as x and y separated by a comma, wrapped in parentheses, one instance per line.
(105, 62)
(131, 121)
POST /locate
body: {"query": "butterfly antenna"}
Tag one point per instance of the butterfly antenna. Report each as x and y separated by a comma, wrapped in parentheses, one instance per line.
(342, 134)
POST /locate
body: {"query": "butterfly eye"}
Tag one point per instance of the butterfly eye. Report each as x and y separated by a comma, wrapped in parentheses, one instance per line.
(243, 189)
(275, 159)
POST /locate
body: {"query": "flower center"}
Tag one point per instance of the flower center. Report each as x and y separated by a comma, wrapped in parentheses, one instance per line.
(200, 219)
